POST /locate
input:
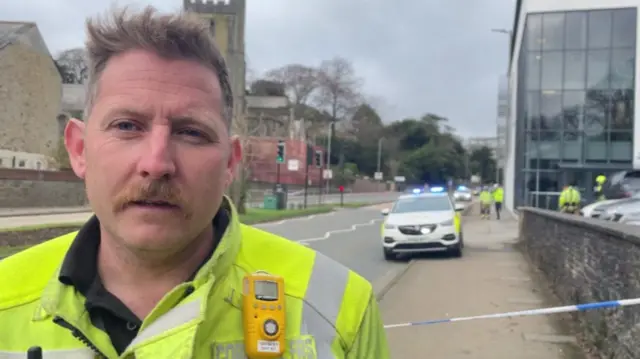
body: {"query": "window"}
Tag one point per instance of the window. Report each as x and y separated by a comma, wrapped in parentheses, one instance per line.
(599, 30)
(575, 37)
(575, 68)
(422, 204)
(533, 71)
(532, 114)
(598, 69)
(573, 109)
(553, 31)
(596, 109)
(624, 28)
(622, 68)
(621, 110)
(551, 110)
(552, 70)
(21, 163)
(534, 32)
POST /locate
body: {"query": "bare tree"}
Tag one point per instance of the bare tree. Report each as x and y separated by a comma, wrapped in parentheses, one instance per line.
(72, 66)
(300, 81)
(338, 88)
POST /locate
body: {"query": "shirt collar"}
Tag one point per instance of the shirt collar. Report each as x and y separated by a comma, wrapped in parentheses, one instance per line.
(79, 267)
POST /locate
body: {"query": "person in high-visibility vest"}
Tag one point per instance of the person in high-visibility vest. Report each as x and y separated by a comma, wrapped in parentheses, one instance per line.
(498, 197)
(598, 190)
(569, 200)
(159, 270)
(485, 203)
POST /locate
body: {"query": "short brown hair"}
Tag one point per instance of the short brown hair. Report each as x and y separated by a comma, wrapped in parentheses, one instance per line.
(174, 36)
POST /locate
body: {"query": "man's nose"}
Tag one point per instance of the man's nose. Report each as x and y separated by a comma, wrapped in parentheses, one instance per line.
(158, 161)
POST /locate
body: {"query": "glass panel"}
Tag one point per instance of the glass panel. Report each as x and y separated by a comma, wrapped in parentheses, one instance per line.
(575, 68)
(576, 30)
(595, 147)
(549, 146)
(571, 146)
(624, 28)
(621, 110)
(552, 70)
(534, 32)
(553, 31)
(622, 68)
(532, 114)
(533, 71)
(597, 106)
(599, 29)
(548, 183)
(598, 69)
(531, 150)
(621, 146)
(551, 110)
(573, 109)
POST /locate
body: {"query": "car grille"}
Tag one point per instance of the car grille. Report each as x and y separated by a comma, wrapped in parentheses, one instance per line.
(415, 230)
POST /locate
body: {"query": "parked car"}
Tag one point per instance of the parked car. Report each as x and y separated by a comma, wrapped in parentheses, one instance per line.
(627, 214)
(622, 184)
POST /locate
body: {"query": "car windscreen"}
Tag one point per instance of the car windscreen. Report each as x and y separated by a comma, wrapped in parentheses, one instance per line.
(422, 204)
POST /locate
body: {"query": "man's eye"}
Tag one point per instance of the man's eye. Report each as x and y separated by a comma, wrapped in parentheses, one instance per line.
(191, 132)
(127, 126)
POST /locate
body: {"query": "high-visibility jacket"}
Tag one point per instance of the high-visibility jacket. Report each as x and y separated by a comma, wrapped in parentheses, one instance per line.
(498, 195)
(598, 191)
(485, 197)
(331, 311)
(569, 199)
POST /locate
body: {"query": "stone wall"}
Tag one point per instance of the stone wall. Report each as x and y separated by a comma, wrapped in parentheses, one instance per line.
(30, 188)
(587, 260)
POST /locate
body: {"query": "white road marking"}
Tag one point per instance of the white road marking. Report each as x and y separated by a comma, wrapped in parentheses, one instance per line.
(306, 218)
(330, 233)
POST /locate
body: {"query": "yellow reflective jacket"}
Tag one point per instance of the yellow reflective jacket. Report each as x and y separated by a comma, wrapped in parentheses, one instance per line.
(570, 198)
(498, 195)
(485, 197)
(331, 311)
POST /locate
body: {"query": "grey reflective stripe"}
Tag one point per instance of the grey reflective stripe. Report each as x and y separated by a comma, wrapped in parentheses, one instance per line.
(322, 303)
(82, 353)
(175, 317)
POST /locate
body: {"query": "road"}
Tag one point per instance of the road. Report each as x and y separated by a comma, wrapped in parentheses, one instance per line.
(350, 236)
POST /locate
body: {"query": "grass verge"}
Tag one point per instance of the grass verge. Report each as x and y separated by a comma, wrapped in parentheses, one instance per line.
(13, 240)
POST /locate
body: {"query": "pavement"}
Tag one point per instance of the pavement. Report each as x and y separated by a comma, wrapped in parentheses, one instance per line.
(491, 277)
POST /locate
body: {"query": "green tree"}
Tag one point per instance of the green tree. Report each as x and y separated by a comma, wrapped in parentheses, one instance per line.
(482, 162)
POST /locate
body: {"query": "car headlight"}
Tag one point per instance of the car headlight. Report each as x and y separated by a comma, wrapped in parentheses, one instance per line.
(389, 226)
(447, 223)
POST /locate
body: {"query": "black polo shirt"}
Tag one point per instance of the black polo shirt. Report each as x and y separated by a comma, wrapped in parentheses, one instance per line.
(106, 311)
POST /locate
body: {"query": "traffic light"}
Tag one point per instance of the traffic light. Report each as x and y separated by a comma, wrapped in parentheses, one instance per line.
(281, 152)
(319, 159)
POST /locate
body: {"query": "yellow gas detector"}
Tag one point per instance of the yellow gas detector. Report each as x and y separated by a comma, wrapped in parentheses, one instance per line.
(263, 315)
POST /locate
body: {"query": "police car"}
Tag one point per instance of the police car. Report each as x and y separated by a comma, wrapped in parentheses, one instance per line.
(422, 222)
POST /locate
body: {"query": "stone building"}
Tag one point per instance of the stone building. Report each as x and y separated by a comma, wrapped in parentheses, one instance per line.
(30, 91)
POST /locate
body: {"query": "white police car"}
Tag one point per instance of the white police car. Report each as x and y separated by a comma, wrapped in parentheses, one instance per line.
(422, 222)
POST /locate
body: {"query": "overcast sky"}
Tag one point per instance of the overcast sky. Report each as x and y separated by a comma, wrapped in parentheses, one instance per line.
(418, 56)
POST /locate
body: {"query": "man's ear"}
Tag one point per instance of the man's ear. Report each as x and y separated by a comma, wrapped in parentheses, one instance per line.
(74, 142)
(235, 157)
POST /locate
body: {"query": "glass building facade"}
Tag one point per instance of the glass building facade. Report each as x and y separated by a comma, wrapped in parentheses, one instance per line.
(575, 101)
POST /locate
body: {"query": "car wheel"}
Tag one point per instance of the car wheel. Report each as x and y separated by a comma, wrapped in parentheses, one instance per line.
(457, 251)
(388, 255)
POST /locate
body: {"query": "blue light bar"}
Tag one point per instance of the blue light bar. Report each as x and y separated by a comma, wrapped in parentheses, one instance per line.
(462, 188)
(437, 189)
(416, 190)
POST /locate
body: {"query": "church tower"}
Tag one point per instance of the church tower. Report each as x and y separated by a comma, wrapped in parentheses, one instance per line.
(226, 19)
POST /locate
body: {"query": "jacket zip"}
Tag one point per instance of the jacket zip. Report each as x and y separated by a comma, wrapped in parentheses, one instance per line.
(80, 336)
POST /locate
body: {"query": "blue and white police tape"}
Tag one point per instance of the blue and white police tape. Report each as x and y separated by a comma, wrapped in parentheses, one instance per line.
(522, 313)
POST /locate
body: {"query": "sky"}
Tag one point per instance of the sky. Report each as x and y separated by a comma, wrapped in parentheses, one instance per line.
(414, 56)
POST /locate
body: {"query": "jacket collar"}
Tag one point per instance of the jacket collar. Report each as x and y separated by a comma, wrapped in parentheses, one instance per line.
(56, 293)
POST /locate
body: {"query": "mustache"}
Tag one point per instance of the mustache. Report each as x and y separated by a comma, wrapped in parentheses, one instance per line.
(157, 190)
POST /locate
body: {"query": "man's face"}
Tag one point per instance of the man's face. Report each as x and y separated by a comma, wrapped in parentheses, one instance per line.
(155, 153)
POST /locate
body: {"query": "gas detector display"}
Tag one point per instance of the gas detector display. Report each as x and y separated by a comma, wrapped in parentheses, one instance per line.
(266, 290)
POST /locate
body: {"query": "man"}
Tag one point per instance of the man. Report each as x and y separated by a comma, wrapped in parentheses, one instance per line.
(498, 197)
(569, 200)
(158, 272)
(598, 189)
(485, 203)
